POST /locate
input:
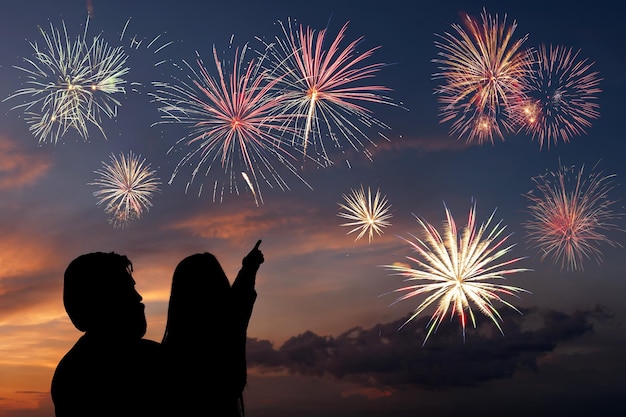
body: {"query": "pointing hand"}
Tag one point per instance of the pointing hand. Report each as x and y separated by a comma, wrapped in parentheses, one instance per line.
(255, 257)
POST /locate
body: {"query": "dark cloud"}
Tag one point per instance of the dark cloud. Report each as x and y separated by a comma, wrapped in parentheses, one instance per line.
(383, 356)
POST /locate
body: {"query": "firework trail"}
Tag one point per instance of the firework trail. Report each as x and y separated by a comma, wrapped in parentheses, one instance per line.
(456, 269)
(561, 96)
(247, 180)
(71, 84)
(482, 70)
(325, 89)
(570, 214)
(367, 214)
(231, 128)
(126, 188)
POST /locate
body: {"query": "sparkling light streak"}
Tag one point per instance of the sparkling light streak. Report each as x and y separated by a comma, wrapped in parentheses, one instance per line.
(127, 186)
(482, 70)
(561, 95)
(326, 87)
(457, 270)
(366, 213)
(231, 126)
(71, 84)
(571, 214)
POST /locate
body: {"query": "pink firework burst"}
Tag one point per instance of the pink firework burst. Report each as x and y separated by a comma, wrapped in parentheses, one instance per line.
(233, 134)
(325, 89)
(571, 213)
(561, 96)
(482, 70)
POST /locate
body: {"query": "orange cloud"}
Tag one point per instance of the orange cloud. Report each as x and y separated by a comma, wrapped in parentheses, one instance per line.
(23, 256)
(228, 225)
(27, 294)
(13, 402)
(242, 226)
(18, 168)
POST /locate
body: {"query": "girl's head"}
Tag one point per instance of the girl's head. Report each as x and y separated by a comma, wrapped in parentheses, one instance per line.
(200, 289)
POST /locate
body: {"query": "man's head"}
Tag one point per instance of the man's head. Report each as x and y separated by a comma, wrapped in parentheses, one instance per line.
(100, 297)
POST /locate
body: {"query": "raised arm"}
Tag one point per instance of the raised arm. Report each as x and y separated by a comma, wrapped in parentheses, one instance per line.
(246, 278)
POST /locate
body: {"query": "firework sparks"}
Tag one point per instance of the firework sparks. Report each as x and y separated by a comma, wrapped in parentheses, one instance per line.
(456, 269)
(71, 84)
(570, 215)
(231, 126)
(138, 43)
(367, 214)
(561, 96)
(126, 188)
(483, 71)
(325, 90)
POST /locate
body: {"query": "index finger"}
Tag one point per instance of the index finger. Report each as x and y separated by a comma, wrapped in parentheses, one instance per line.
(257, 244)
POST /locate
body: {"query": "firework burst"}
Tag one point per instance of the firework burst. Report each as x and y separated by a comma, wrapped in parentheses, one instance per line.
(326, 89)
(456, 269)
(233, 134)
(561, 96)
(71, 84)
(571, 212)
(126, 188)
(482, 70)
(367, 214)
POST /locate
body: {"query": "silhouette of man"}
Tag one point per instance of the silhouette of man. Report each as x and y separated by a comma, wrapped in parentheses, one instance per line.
(111, 370)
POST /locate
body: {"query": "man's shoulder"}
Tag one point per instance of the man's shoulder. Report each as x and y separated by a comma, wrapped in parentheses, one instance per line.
(99, 349)
(148, 344)
(87, 357)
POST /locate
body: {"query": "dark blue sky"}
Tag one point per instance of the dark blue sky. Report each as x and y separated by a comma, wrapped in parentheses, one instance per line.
(325, 340)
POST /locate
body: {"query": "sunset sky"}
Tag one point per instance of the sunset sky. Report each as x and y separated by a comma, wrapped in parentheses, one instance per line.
(324, 335)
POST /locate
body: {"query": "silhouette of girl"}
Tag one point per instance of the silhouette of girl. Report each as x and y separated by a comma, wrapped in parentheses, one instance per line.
(205, 335)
